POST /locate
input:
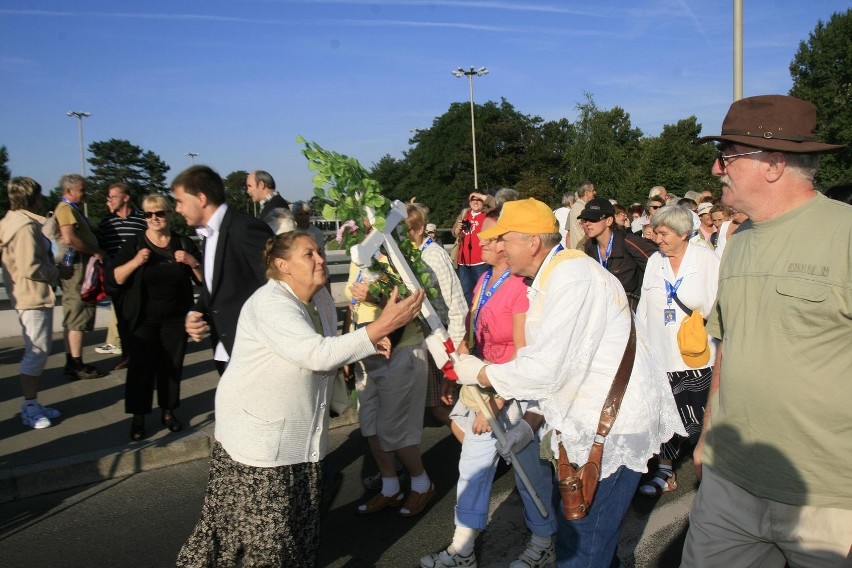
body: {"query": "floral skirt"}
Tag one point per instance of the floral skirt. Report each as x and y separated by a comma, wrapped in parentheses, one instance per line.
(256, 516)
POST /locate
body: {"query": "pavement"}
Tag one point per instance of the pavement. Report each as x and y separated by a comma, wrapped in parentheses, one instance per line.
(90, 442)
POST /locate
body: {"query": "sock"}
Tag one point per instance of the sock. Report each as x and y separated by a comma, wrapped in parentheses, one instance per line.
(463, 541)
(421, 483)
(68, 359)
(542, 541)
(667, 469)
(390, 486)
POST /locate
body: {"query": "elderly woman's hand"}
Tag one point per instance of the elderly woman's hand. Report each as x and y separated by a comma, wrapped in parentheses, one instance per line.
(395, 314)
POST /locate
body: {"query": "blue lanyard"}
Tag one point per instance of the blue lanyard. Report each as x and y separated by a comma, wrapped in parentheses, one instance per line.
(426, 243)
(605, 260)
(484, 295)
(672, 290)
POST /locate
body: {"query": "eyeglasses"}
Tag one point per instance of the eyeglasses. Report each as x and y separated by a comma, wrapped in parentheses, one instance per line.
(654, 207)
(722, 157)
(474, 199)
(592, 220)
(157, 214)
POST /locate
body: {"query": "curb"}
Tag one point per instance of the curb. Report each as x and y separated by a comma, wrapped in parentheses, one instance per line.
(23, 482)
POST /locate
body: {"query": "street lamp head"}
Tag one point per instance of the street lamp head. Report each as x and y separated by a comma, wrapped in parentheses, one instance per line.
(78, 114)
(482, 71)
(459, 72)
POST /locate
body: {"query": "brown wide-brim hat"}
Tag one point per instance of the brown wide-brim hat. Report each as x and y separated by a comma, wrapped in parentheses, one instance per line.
(773, 122)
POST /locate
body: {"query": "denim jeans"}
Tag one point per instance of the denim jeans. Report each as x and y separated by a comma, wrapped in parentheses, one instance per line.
(468, 275)
(591, 542)
(477, 465)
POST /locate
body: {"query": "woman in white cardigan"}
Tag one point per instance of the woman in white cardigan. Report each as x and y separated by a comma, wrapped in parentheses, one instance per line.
(263, 495)
(684, 274)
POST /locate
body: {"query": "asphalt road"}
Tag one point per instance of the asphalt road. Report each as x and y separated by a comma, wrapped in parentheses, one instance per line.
(142, 520)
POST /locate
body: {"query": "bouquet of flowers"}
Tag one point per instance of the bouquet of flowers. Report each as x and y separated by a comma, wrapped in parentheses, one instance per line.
(348, 194)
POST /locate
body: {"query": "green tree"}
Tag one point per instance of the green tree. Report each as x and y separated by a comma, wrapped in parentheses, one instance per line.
(5, 175)
(235, 192)
(673, 160)
(603, 147)
(822, 74)
(118, 160)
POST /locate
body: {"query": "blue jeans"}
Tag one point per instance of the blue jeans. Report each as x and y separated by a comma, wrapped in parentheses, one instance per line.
(591, 541)
(477, 465)
(468, 275)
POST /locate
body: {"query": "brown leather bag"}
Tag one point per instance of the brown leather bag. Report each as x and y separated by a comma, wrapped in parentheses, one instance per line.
(577, 485)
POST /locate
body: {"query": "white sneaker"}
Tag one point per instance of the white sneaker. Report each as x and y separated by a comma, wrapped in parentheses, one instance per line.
(109, 349)
(447, 559)
(534, 557)
(33, 415)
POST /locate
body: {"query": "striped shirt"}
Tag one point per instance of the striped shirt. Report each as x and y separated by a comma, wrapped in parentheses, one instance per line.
(114, 230)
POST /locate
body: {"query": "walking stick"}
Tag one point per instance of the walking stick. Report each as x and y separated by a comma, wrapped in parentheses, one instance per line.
(500, 434)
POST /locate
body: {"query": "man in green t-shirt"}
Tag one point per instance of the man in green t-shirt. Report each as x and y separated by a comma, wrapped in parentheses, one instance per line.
(78, 316)
(776, 449)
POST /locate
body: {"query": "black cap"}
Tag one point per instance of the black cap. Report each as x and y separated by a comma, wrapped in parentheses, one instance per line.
(597, 209)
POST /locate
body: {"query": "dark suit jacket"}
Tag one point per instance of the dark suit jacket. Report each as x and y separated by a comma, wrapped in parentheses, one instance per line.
(277, 202)
(238, 271)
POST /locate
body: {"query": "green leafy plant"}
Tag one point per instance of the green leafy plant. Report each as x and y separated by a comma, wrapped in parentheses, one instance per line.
(346, 189)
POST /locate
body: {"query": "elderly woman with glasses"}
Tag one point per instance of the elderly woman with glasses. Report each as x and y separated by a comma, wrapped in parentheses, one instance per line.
(683, 277)
(155, 271)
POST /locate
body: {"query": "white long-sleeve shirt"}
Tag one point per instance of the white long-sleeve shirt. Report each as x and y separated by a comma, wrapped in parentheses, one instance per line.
(576, 330)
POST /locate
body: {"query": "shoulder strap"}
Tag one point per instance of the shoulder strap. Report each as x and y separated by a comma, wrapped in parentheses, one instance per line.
(612, 404)
(687, 311)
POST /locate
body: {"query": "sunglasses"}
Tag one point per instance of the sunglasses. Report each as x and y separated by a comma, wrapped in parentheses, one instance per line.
(157, 214)
(474, 199)
(654, 206)
(723, 157)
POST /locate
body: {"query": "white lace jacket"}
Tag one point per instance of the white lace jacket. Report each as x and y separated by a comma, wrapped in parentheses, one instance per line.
(576, 329)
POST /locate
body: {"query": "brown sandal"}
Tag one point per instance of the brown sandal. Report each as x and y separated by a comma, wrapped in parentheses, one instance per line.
(660, 483)
(379, 502)
(416, 502)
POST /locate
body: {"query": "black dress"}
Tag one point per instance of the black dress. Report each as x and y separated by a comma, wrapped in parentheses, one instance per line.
(153, 304)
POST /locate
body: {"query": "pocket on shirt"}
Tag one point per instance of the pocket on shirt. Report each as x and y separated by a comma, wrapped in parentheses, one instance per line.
(260, 438)
(804, 306)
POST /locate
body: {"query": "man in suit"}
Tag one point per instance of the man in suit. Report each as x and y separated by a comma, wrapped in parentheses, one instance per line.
(232, 250)
(274, 209)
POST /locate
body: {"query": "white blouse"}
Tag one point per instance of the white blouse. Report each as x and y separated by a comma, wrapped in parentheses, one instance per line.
(699, 274)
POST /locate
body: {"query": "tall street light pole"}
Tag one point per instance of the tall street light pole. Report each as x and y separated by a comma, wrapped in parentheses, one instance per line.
(479, 73)
(80, 115)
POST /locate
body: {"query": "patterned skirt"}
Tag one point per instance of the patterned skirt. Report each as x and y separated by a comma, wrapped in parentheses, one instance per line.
(256, 516)
(690, 389)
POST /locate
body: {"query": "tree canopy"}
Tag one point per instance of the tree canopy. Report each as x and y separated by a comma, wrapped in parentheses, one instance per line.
(116, 161)
(822, 74)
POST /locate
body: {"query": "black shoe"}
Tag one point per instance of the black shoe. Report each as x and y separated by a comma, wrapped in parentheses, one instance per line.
(137, 429)
(122, 364)
(83, 372)
(172, 423)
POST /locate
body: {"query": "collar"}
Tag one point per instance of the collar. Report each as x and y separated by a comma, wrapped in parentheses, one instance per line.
(267, 199)
(214, 223)
(535, 284)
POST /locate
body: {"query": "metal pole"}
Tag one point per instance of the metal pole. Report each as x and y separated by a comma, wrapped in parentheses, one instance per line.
(80, 115)
(738, 49)
(473, 133)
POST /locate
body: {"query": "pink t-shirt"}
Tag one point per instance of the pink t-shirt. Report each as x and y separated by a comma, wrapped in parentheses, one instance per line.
(494, 323)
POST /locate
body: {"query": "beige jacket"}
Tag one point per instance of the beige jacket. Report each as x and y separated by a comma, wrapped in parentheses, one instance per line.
(28, 269)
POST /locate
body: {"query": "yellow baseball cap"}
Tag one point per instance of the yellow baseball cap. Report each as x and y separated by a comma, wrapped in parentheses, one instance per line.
(692, 340)
(529, 216)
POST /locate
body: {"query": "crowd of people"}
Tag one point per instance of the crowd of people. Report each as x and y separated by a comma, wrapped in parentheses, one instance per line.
(601, 340)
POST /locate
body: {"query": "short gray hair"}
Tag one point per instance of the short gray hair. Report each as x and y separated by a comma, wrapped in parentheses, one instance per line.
(265, 177)
(675, 218)
(584, 188)
(567, 199)
(657, 191)
(505, 194)
(803, 165)
(550, 240)
(68, 181)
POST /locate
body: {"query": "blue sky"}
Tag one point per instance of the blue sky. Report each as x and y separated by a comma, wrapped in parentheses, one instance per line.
(236, 81)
